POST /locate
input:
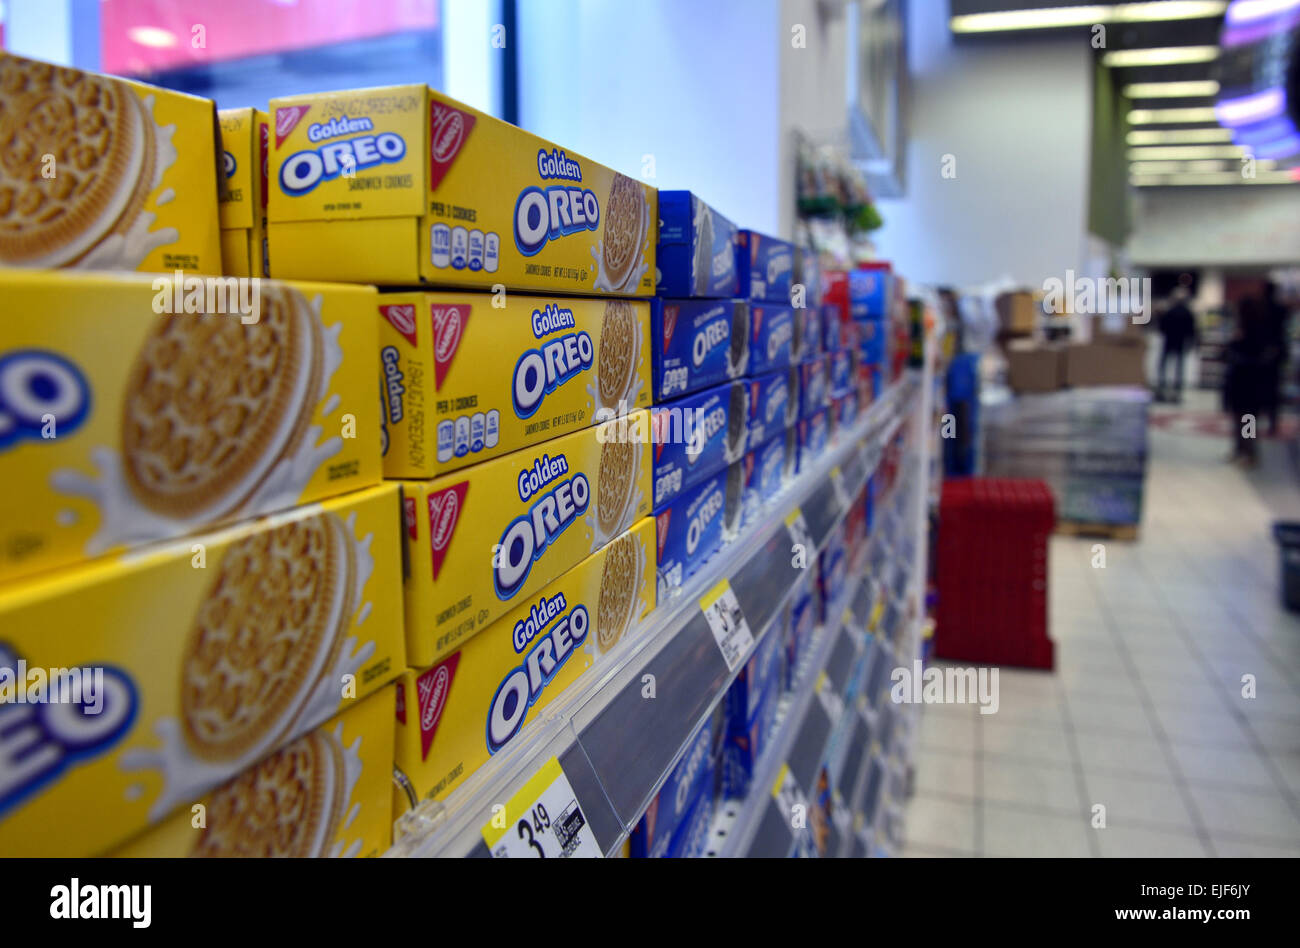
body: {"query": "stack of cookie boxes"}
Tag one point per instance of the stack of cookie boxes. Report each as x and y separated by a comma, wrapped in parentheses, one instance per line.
(199, 562)
(514, 365)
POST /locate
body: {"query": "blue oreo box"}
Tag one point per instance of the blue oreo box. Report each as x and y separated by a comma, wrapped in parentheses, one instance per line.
(696, 256)
(871, 340)
(773, 403)
(804, 608)
(653, 833)
(771, 337)
(809, 333)
(843, 374)
(765, 265)
(757, 676)
(692, 838)
(768, 468)
(695, 524)
(814, 386)
(696, 436)
(697, 343)
(814, 435)
(745, 745)
(869, 292)
(844, 410)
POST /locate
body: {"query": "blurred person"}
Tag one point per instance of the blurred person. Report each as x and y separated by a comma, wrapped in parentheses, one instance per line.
(1178, 334)
(1244, 381)
(1275, 317)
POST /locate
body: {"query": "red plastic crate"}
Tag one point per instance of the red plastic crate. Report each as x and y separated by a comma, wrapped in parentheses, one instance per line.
(991, 567)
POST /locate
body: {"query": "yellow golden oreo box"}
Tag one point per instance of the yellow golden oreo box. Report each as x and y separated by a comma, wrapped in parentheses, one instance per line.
(135, 409)
(328, 793)
(468, 377)
(482, 540)
(131, 686)
(245, 138)
(401, 184)
(455, 715)
(105, 174)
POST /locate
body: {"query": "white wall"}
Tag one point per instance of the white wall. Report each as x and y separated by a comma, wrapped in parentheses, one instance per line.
(694, 84)
(1016, 116)
(1245, 225)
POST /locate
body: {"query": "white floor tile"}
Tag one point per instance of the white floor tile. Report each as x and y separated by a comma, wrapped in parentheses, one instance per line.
(1013, 831)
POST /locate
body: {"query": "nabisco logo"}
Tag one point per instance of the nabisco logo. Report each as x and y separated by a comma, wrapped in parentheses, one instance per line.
(670, 322)
(401, 318)
(286, 120)
(448, 327)
(448, 129)
(444, 512)
(661, 523)
(432, 689)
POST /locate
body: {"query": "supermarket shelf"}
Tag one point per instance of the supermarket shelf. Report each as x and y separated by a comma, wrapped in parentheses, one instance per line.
(618, 734)
(836, 713)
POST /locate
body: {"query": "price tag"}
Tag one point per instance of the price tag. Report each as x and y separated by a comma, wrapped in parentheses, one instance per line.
(542, 821)
(876, 611)
(800, 536)
(829, 699)
(837, 484)
(727, 622)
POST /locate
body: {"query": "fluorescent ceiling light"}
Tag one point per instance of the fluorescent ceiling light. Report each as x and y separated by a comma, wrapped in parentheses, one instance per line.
(1178, 136)
(1185, 152)
(1252, 108)
(1046, 18)
(153, 36)
(1248, 11)
(1171, 90)
(1160, 56)
(1166, 167)
(1170, 116)
(1211, 178)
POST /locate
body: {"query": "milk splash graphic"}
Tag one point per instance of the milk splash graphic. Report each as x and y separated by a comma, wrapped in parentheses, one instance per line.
(602, 282)
(124, 521)
(186, 776)
(127, 251)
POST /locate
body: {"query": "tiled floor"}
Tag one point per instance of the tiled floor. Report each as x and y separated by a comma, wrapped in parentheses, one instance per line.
(1145, 714)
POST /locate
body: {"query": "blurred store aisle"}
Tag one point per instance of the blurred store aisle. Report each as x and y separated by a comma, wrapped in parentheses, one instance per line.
(1145, 713)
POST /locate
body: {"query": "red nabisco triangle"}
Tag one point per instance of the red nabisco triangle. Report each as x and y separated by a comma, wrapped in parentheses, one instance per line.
(431, 691)
(263, 150)
(444, 512)
(286, 120)
(448, 129)
(408, 513)
(401, 703)
(401, 318)
(661, 525)
(659, 431)
(448, 329)
(670, 323)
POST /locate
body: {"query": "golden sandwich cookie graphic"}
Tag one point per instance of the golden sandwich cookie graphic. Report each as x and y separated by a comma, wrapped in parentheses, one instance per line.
(269, 629)
(625, 223)
(289, 805)
(106, 160)
(212, 404)
(617, 358)
(616, 478)
(620, 582)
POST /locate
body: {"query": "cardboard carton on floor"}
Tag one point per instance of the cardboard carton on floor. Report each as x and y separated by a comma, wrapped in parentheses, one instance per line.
(1103, 363)
(1034, 368)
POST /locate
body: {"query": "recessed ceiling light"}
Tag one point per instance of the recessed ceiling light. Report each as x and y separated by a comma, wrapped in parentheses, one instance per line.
(153, 36)
(1171, 90)
(1046, 18)
(1178, 136)
(1170, 116)
(1160, 56)
(1211, 178)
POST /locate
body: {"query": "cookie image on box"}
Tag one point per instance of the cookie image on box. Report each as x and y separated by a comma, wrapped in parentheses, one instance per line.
(212, 404)
(738, 353)
(737, 422)
(625, 232)
(619, 582)
(619, 353)
(290, 805)
(615, 483)
(733, 504)
(702, 263)
(108, 156)
(268, 632)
